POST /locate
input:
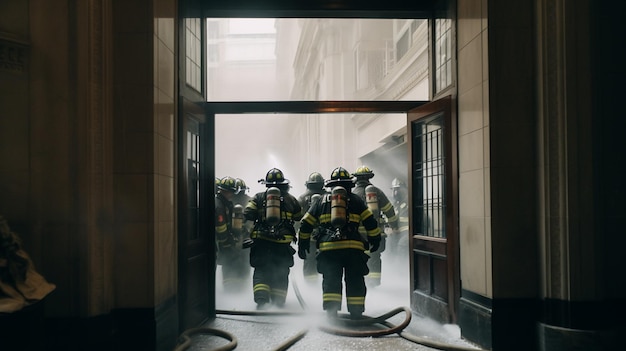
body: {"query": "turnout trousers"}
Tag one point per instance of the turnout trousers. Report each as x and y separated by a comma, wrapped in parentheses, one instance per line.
(344, 264)
(271, 262)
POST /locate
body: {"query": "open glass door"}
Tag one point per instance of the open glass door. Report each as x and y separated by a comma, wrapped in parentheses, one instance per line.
(433, 214)
(196, 249)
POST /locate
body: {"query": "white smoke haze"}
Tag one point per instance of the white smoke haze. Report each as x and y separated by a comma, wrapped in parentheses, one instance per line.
(393, 292)
(248, 145)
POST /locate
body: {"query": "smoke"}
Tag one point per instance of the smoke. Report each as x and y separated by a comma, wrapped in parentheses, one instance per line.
(249, 145)
(392, 293)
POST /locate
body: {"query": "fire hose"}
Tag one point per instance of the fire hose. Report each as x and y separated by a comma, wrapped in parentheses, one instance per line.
(341, 319)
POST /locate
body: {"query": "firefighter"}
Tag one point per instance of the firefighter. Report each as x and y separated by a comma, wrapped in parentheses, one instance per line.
(274, 213)
(241, 195)
(242, 198)
(341, 247)
(229, 235)
(384, 214)
(399, 242)
(314, 189)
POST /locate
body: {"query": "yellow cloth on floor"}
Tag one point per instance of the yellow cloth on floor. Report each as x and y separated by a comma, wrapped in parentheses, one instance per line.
(16, 295)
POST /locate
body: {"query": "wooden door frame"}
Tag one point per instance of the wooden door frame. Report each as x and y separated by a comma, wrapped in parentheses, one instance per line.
(448, 247)
(390, 9)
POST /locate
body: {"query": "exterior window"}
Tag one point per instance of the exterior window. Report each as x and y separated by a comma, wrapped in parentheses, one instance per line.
(291, 59)
(428, 193)
(213, 31)
(370, 66)
(402, 46)
(193, 54)
(443, 54)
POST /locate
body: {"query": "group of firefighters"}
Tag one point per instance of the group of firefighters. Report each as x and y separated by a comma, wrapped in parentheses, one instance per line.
(340, 225)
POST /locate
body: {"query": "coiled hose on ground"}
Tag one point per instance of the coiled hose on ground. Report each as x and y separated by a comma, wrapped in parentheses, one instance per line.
(342, 319)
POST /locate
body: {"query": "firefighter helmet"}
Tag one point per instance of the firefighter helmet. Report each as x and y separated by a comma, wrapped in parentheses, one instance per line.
(227, 183)
(397, 183)
(241, 185)
(363, 172)
(340, 176)
(315, 178)
(275, 177)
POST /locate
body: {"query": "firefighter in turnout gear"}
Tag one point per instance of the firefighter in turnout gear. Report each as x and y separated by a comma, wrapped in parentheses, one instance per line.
(398, 243)
(341, 247)
(274, 213)
(241, 195)
(229, 234)
(384, 213)
(314, 189)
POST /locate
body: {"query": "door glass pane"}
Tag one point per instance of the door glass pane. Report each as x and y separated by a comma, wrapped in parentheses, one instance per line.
(193, 57)
(428, 192)
(193, 180)
(329, 59)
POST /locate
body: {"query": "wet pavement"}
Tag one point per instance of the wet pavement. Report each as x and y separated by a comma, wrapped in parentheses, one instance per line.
(302, 324)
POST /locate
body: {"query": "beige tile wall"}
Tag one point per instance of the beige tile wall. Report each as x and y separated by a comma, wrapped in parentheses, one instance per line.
(473, 129)
(165, 243)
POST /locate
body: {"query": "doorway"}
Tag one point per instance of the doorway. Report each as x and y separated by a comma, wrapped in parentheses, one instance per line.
(313, 101)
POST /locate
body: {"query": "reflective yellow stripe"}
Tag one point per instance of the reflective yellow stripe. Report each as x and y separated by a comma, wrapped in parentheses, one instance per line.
(355, 218)
(286, 240)
(325, 218)
(366, 214)
(261, 287)
(331, 297)
(310, 219)
(278, 292)
(386, 207)
(221, 228)
(375, 275)
(304, 236)
(374, 232)
(392, 219)
(342, 244)
(356, 300)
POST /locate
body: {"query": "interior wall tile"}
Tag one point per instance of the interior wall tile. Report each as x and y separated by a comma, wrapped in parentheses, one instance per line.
(470, 107)
(165, 198)
(472, 194)
(166, 69)
(165, 116)
(165, 156)
(470, 66)
(473, 256)
(469, 21)
(471, 151)
(166, 31)
(485, 106)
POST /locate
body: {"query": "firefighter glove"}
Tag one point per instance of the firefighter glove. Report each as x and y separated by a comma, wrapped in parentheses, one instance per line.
(303, 248)
(374, 245)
